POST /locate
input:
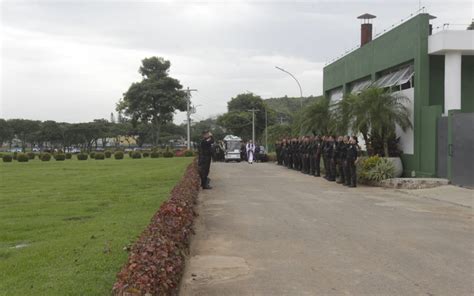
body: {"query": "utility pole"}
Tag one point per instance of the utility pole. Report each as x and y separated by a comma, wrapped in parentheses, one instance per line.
(188, 115)
(253, 124)
(266, 131)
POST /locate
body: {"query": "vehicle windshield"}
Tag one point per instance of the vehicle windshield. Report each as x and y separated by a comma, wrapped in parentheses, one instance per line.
(231, 146)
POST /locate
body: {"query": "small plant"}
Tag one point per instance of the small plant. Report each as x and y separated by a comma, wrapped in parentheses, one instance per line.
(22, 157)
(68, 155)
(60, 156)
(376, 169)
(136, 155)
(155, 154)
(118, 155)
(15, 155)
(99, 156)
(92, 155)
(146, 154)
(45, 157)
(130, 153)
(7, 158)
(31, 155)
(82, 156)
(108, 153)
(188, 153)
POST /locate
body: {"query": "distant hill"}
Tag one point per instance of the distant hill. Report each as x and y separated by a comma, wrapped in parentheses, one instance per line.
(287, 107)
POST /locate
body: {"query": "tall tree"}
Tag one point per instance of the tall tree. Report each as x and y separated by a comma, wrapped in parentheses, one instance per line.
(155, 98)
(6, 132)
(25, 130)
(238, 119)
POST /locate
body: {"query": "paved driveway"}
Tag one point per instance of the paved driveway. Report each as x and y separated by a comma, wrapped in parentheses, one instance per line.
(267, 230)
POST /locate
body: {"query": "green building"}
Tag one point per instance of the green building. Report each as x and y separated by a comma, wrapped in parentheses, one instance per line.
(435, 71)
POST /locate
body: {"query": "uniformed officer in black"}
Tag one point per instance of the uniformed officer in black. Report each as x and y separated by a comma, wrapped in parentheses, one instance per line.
(351, 156)
(204, 161)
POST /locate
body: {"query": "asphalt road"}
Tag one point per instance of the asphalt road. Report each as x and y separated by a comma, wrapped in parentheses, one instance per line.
(267, 230)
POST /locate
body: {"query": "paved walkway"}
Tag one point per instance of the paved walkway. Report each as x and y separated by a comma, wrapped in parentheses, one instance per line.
(267, 230)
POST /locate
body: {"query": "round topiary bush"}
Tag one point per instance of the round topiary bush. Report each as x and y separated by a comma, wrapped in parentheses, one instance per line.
(45, 157)
(188, 153)
(168, 154)
(31, 155)
(118, 155)
(99, 156)
(22, 157)
(60, 157)
(108, 153)
(15, 155)
(136, 155)
(92, 155)
(146, 154)
(68, 155)
(155, 154)
(82, 156)
(7, 158)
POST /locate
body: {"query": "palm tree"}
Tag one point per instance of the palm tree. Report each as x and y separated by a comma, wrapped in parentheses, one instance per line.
(377, 110)
(316, 117)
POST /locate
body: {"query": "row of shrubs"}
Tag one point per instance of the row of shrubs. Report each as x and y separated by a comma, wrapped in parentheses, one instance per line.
(25, 157)
(156, 261)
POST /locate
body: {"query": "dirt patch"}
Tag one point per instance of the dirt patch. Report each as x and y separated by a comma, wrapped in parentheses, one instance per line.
(214, 269)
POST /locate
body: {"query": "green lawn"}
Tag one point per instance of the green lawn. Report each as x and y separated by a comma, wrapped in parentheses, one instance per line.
(64, 225)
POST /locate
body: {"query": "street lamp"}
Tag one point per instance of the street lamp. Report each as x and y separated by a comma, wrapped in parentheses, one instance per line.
(299, 85)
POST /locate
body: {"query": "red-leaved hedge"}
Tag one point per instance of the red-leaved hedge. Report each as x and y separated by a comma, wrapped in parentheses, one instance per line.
(156, 261)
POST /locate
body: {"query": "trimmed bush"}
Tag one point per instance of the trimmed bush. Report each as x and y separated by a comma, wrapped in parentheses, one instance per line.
(130, 153)
(155, 154)
(146, 154)
(92, 155)
(82, 156)
(22, 157)
(59, 156)
(136, 155)
(118, 155)
(108, 153)
(188, 153)
(157, 259)
(7, 158)
(15, 155)
(68, 155)
(99, 156)
(45, 157)
(168, 154)
(31, 155)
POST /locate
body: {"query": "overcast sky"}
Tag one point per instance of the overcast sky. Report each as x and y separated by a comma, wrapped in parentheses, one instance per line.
(72, 60)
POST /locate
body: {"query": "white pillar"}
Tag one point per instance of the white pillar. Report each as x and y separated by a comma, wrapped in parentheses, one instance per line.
(452, 81)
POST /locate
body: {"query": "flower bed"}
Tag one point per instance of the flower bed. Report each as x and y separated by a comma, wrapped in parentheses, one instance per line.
(156, 261)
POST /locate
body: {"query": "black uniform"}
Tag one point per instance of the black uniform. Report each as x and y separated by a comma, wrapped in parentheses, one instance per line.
(351, 157)
(278, 153)
(204, 161)
(317, 157)
(341, 160)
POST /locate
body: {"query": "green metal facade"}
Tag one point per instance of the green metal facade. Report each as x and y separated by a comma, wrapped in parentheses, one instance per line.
(406, 43)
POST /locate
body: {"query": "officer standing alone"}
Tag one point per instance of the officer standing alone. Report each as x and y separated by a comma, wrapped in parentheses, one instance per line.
(205, 155)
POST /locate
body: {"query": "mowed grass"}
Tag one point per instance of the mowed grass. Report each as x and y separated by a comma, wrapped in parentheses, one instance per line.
(64, 224)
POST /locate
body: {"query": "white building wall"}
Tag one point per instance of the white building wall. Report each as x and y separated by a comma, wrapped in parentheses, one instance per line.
(407, 138)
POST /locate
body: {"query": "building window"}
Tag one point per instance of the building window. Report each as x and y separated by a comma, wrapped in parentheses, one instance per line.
(336, 94)
(398, 79)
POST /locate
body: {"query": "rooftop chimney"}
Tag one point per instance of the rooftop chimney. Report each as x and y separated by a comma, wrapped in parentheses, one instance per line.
(365, 28)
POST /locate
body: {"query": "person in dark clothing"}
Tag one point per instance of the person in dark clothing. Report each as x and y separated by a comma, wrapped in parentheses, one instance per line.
(204, 161)
(351, 157)
(317, 157)
(278, 152)
(340, 159)
(331, 158)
